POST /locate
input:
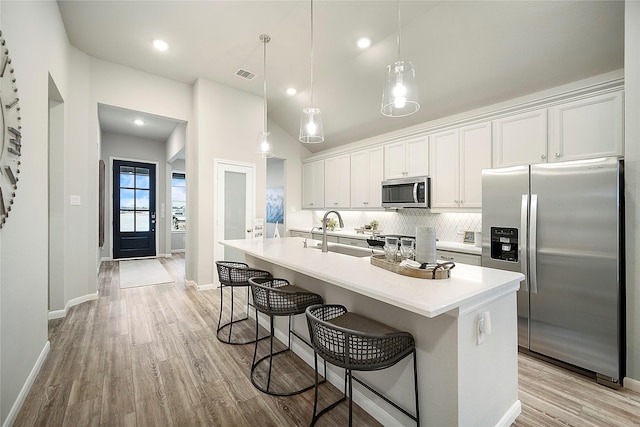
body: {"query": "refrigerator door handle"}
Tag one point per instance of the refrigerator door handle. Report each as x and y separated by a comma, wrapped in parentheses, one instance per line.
(533, 244)
(522, 246)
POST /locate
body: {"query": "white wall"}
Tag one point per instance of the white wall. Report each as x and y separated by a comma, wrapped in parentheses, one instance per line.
(177, 141)
(145, 150)
(38, 47)
(632, 181)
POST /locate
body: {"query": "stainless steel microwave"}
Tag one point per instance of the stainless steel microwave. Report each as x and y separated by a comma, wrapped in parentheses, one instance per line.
(411, 192)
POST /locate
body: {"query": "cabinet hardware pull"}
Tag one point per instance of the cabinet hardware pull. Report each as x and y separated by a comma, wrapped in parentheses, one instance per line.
(557, 154)
(544, 156)
(446, 257)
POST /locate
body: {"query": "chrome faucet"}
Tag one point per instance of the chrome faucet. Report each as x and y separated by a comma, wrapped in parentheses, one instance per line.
(325, 248)
(309, 235)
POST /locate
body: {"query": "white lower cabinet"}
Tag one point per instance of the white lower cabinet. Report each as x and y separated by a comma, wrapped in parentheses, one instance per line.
(458, 257)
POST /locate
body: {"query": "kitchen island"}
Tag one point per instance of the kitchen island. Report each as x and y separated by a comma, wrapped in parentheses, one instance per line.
(466, 378)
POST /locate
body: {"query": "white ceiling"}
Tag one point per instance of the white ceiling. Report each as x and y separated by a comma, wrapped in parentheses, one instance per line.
(467, 54)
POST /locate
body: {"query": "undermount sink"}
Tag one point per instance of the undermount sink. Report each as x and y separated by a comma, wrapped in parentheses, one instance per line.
(346, 250)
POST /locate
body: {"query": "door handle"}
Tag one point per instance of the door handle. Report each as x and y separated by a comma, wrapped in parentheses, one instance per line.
(533, 246)
(522, 245)
(248, 230)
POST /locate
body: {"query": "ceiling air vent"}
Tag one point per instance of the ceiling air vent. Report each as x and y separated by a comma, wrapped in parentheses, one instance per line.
(245, 74)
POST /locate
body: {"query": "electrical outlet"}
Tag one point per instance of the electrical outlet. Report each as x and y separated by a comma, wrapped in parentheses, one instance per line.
(480, 331)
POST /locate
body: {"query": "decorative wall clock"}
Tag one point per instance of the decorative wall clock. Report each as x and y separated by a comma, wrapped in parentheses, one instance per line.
(11, 138)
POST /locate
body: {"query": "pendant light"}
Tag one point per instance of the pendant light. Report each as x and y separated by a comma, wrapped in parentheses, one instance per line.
(264, 148)
(400, 95)
(311, 131)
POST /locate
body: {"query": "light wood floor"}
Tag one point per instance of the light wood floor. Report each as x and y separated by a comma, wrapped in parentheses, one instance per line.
(148, 356)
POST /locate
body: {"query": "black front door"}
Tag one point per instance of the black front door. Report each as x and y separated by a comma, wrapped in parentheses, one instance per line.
(134, 209)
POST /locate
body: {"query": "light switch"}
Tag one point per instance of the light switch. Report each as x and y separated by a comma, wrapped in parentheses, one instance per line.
(74, 200)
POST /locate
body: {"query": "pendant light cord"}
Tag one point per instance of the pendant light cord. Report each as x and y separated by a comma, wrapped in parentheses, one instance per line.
(398, 36)
(311, 95)
(265, 39)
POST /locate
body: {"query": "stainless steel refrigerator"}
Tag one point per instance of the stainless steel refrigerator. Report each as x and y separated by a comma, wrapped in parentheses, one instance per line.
(561, 224)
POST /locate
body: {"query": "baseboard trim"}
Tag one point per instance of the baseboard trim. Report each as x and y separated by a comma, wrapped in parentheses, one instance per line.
(22, 396)
(631, 384)
(57, 314)
(205, 287)
(510, 416)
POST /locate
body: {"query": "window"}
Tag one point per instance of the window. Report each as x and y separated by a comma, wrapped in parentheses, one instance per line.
(178, 201)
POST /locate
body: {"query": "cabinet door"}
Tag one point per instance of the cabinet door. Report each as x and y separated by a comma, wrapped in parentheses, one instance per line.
(445, 169)
(459, 258)
(587, 128)
(360, 179)
(313, 185)
(367, 172)
(417, 157)
(376, 176)
(520, 139)
(475, 155)
(337, 182)
(394, 160)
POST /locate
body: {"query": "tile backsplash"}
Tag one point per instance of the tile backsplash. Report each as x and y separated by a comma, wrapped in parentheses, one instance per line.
(449, 226)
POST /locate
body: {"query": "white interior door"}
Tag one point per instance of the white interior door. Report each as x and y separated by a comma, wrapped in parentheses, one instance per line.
(234, 206)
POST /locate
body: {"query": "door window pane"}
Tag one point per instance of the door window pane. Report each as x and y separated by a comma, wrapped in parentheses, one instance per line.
(126, 176)
(142, 221)
(142, 178)
(178, 201)
(127, 221)
(142, 199)
(126, 199)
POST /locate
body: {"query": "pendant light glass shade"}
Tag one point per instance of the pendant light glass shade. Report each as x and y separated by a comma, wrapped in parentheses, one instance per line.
(264, 148)
(400, 95)
(311, 131)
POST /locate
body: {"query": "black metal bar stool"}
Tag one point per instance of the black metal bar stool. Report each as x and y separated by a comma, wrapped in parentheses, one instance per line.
(357, 343)
(234, 274)
(277, 297)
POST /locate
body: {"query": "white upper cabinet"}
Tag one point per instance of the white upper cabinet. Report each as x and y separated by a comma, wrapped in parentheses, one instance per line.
(445, 169)
(406, 158)
(475, 155)
(586, 128)
(520, 139)
(337, 182)
(367, 172)
(457, 158)
(313, 185)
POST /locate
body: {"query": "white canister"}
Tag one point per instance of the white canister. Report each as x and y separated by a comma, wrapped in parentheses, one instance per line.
(477, 238)
(426, 244)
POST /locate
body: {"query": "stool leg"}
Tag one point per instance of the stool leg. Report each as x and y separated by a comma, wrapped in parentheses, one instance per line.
(315, 391)
(415, 381)
(270, 351)
(232, 304)
(255, 349)
(348, 374)
(221, 305)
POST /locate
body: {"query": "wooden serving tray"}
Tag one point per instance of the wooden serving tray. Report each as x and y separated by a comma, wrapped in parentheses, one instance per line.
(433, 271)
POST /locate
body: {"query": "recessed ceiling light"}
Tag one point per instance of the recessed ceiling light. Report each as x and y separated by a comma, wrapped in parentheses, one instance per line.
(138, 122)
(291, 91)
(364, 42)
(160, 45)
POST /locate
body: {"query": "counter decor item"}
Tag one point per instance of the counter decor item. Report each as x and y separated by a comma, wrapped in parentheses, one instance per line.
(426, 244)
(431, 271)
(469, 237)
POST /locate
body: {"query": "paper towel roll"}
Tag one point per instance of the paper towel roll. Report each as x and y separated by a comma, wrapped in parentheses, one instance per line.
(426, 244)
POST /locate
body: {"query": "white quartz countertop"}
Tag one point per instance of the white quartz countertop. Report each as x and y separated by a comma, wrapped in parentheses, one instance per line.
(443, 245)
(468, 287)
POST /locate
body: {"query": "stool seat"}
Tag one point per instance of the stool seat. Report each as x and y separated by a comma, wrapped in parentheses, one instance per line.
(277, 297)
(357, 343)
(234, 274)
